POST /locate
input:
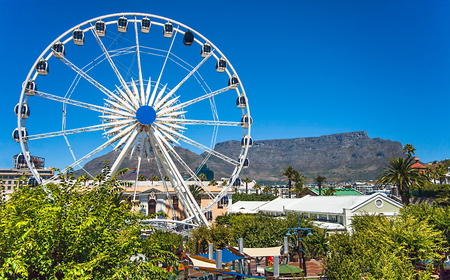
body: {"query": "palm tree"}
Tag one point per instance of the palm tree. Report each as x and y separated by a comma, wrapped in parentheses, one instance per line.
(196, 191)
(154, 178)
(202, 177)
(409, 149)
(275, 191)
(289, 172)
(224, 183)
(246, 181)
(257, 187)
(99, 178)
(320, 180)
(400, 173)
(141, 178)
(441, 170)
(213, 182)
(84, 178)
(431, 174)
(298, 179)
(330, 191)
(266, 189)
(166, 178)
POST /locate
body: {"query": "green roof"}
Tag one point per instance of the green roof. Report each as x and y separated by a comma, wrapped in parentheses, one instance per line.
(339, 192)
(285, 269)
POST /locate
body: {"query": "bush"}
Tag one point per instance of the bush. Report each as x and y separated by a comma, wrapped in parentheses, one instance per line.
(253, 197)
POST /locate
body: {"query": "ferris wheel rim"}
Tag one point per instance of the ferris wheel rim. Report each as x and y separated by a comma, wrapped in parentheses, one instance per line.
(24, 97)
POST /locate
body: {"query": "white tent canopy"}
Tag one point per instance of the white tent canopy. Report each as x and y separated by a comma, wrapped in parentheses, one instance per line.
(262, 252)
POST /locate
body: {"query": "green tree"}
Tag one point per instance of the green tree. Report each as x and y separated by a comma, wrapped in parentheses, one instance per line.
(99, 178)
(266, 190)
(289, 173)
(196, 191)
(431, 174)
(399, 172)
(141, 177)
(202, 177)
(246, 181)
(224, 183)
(320, 180)
(441, 170)
(84, 179)
(154, 178)
(275, 191)
(122, 172)
(409, 149)
(68, 231)
(257, 187)
(330, 191)
(298, 180)
(213, 182)
(166, 178)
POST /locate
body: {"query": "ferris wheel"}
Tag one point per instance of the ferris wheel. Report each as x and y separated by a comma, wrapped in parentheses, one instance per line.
(135, 83)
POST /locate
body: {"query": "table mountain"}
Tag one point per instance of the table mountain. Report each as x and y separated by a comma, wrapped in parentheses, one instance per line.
(338, 157)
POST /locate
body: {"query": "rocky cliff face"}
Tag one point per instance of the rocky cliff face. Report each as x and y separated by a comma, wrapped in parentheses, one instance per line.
(338, 157)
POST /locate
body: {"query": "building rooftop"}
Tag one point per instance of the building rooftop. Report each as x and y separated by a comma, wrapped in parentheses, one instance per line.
(339, 192)
(278, 205)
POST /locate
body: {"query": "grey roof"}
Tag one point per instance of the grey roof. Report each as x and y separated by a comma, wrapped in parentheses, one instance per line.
(278, 205)
(334, 204)
(248, 205)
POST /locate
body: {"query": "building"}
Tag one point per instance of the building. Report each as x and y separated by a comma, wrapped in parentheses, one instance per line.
(339, 192)
(332, 212)
(11, 177)
(364, 187)
(153, 199)
(205, 170)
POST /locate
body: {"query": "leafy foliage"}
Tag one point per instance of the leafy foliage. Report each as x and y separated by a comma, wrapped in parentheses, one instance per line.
(252, 197)
(384, 248)
(71, 231)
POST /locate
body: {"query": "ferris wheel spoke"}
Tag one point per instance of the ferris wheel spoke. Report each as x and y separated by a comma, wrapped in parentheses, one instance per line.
(89, 78)
(98, 149)
(79, 103)
(108, 57)
(199, 122)
(125, 150)
(71, 131)
(157, 106)
(182, 162)
(162, 70)
(190, 102)
(198, 145)
(138, 53)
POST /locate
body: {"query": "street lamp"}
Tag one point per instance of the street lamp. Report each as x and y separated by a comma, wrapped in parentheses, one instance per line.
(300, 233)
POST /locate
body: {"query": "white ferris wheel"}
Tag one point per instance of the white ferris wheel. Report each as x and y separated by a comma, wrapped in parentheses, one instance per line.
(135, 82)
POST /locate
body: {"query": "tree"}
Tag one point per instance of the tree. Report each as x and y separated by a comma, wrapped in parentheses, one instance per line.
(298, 179)
(196, 191)
(166, 178)
(441, 170)
(329, 192)
(68, 231)
(275, 191)
(289, 173)
(202, 177)
(257, 187)
(122, 172)
(99, 178)
(399, 172)
(246, 181)
(154, 178)
(431, 174)
(84, 179)
(213, 182)
(224, 183)
(320, 180)
(141, 177)
(409, 149)
(266, 189)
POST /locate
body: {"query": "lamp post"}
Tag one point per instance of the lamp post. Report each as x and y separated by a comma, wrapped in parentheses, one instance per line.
(300, 232)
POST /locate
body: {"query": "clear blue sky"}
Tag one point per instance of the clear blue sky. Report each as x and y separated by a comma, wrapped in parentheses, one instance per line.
(310, 68)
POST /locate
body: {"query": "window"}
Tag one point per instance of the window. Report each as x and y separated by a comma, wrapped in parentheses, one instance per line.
(175, 202)
(379, 203)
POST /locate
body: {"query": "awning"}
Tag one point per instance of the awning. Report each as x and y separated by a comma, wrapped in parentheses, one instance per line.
(262, 252)
(227, 256)
(198, 262)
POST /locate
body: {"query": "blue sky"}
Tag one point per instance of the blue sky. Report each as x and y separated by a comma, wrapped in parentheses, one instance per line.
(310, 68)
